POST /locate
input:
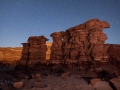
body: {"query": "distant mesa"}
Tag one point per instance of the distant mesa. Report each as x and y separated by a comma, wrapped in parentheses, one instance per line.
(10, 54)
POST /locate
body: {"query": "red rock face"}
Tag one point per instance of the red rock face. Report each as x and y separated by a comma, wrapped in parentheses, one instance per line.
(86, 42)
(56, 48)
(83, 43)
(114, 52)
(34, 51)
(77, 45)
(25, 54)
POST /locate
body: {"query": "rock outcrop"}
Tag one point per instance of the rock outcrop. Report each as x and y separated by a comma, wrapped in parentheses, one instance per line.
(56, 48)
(114, 52)
(37, 50)
(34, 51)
(82, 45)
(18, 85)
(25, 54)
(116, 83)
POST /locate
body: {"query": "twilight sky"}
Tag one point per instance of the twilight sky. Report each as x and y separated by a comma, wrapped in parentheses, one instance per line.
(20, 19)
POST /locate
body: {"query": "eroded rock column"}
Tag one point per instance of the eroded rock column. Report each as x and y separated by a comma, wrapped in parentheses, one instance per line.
(37, 51)
(56, 48)
(25, 54)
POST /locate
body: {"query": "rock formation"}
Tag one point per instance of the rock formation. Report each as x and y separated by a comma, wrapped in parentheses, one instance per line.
(49, 44)
(25, 54)
(56, 48)
(34, 51)
(85, 43)
(37, 51)
(82, 45)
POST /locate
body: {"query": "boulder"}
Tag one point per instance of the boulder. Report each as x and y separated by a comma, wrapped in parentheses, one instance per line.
(102, 85)
(38, 75)
(66, 74)
(116, 83)
(18, 85)
(93, 81)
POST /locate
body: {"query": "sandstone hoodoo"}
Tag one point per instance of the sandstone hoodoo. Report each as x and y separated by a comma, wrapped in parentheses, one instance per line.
(34, 51)
(82, 45)
(37, 51)
(56, 48)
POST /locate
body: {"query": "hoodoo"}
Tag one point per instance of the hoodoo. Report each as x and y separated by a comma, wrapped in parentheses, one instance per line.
(82, 45)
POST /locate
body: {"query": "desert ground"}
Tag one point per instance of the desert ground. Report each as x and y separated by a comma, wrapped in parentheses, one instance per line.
(58, 77)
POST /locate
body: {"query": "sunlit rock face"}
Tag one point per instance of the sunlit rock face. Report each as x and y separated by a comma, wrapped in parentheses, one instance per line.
(49, 44)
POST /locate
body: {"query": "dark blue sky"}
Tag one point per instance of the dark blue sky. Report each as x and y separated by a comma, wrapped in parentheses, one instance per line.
(20, 19)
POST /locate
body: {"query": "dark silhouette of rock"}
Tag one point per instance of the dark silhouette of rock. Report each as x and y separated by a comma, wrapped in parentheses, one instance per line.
(25, 54)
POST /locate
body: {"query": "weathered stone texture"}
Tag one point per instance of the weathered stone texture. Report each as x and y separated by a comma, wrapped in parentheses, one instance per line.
(25, 54)
(85, 42)
(114, 52)
(34, 51)
(37, 51)
(81, 45)
(56, 48)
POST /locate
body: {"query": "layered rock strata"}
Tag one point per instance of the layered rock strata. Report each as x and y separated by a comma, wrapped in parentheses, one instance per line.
(37, 51)
(56, 48)
(34, 51)
(82, 45)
